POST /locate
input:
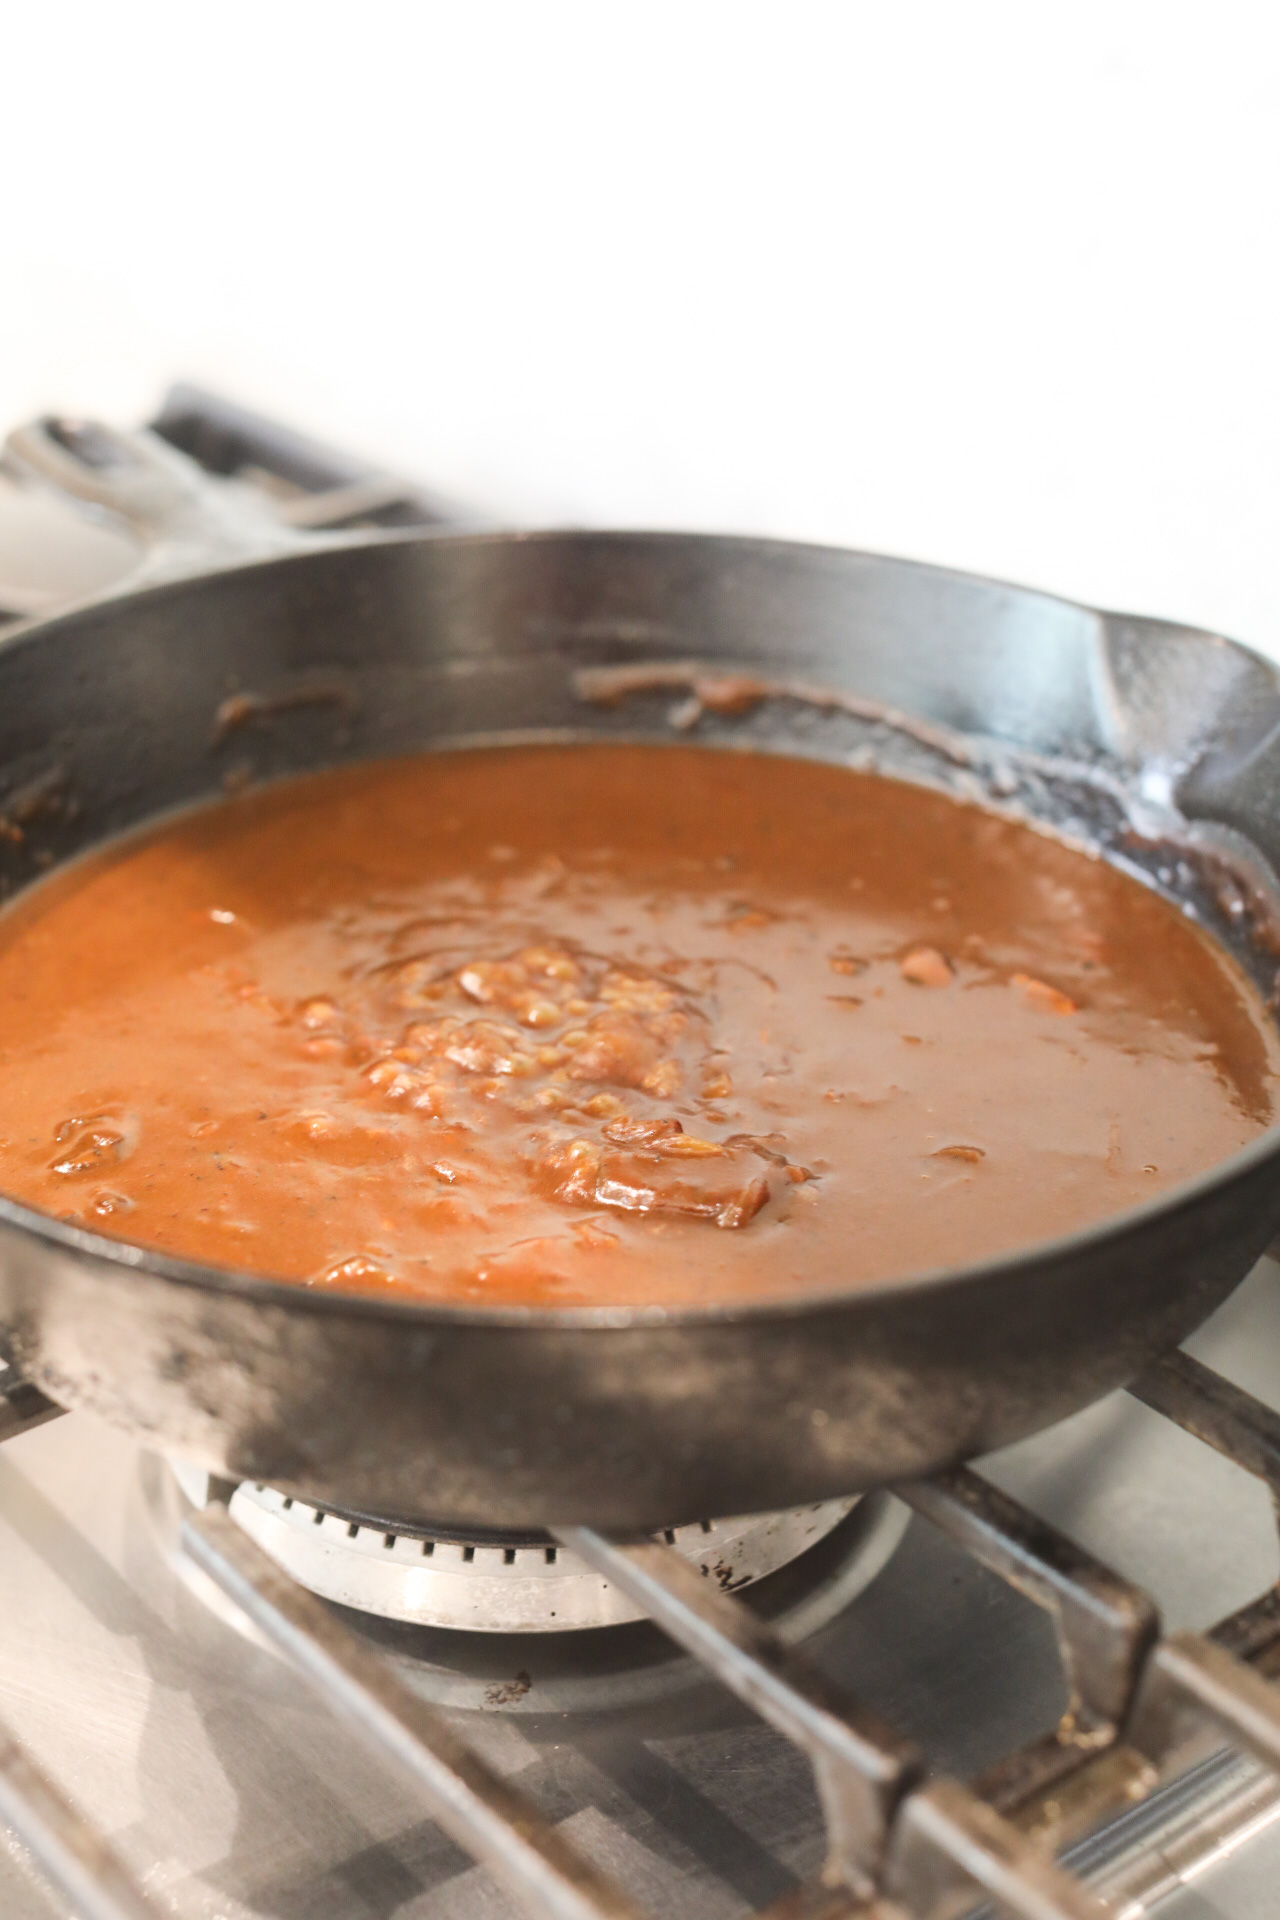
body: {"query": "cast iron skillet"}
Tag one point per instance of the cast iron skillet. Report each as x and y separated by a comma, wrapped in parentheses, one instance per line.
(1159, 745)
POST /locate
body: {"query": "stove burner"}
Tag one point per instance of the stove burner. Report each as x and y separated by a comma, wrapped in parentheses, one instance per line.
(614, 1668)
(485, 1582)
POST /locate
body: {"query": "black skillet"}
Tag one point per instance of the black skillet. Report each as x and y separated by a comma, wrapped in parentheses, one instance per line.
(1154, 743)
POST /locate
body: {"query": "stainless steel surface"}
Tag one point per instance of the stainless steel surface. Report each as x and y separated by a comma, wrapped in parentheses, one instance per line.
(473, 1804)
(197, 1754)
(522, 1588)
(1192, 1829)
(64, 1845)
(58, 1839)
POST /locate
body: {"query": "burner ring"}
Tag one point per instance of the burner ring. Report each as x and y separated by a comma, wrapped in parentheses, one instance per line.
(478, 1581)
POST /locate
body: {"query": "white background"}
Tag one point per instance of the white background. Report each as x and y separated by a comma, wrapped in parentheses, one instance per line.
(995, 284)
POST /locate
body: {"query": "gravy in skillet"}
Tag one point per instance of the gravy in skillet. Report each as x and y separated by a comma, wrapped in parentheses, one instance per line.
(609, 1025)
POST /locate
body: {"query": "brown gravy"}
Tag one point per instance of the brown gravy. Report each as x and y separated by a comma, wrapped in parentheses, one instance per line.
(609, 1024)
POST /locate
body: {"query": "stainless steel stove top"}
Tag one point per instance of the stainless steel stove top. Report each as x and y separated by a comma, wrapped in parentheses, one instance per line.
(232, 1793)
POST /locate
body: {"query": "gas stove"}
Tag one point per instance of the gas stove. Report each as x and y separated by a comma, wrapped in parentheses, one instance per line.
(900, 1705)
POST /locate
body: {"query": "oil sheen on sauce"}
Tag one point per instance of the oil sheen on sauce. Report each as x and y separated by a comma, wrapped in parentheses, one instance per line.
(609, 1025)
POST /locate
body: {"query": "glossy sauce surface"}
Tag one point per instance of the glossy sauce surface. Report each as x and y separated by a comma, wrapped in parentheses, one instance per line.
(609, 1024)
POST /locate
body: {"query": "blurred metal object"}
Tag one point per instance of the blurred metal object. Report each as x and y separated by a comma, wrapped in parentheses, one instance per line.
(51, 558)
(313, 485)
(51, 555)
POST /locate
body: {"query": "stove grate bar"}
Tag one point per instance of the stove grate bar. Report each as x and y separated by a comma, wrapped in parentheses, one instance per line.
(949, 1845)
(1197, 1685)
(477, 1808)
(313, 485)
(861, 1766)
(1191, 1683)
(1106, 1626)
(69, 1851)
(1224, 1416)
(928, 1847)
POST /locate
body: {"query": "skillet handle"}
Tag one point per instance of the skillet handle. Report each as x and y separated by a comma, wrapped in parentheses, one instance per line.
(185, 523)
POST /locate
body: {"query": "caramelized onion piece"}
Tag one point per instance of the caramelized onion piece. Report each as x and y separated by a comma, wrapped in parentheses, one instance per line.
(644, 1181)
(926, 967)
(1044, 998)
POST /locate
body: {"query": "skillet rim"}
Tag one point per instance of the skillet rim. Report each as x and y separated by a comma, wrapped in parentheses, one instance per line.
(122, 592)
(86, 1246)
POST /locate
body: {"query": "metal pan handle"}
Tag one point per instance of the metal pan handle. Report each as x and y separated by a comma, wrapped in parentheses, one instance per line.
(184, 522)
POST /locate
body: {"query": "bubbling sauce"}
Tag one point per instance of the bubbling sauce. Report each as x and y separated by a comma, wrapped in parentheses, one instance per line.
(633, 1025)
